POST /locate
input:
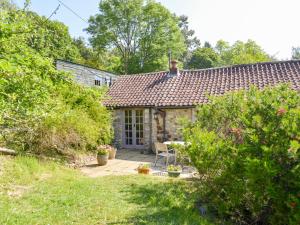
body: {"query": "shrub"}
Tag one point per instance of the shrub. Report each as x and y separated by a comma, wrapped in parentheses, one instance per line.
(79, 121)
(144, 166)
(245, 146)
(174, 168)
(42, 110)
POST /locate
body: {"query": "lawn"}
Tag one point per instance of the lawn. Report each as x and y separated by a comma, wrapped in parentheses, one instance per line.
(33, 192)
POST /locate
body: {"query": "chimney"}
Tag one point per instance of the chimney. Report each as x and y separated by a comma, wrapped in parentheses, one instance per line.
(173, 68)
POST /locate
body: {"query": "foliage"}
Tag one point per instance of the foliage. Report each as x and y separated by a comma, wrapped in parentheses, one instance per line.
(50, 38)
(7, 5)
(296, 53)
(140, 32)
(174, 168)
(203, 58)
(181, 154)
(100, 59)
(39, 105)
(62, 130)
(224, 55)
(102, 152)
(246, 147)
(191, 41)
(240, 53)
(39, 192)
(144, 166)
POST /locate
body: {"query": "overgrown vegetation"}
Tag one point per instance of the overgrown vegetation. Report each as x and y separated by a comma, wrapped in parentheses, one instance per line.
(33, 192)
(42, 110)
(246, 147)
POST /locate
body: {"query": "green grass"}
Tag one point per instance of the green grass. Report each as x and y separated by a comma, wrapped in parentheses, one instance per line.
(33, 192)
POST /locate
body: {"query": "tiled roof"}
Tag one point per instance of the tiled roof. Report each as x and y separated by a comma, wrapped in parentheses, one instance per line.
(192, 87)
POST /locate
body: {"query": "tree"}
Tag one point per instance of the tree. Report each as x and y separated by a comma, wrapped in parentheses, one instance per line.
(241, 53)
(141, 32)
(191, 41)
(7, 5)
(296, 53)
(203, 58)
(97, 58)
(50, 38)
(225, 54)
(207, 45)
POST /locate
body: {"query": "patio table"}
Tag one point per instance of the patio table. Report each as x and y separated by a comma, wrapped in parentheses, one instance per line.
(174, 142)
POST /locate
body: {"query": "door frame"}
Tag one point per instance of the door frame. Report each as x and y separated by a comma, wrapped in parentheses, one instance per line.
(134, 130)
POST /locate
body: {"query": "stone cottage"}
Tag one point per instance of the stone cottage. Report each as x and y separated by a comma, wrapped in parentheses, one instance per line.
(148, 107)
(86, 75)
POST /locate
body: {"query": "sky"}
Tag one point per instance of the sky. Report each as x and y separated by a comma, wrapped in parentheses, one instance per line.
(273, 24)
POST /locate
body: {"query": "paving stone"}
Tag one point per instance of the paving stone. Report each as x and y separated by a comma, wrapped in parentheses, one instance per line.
(126, 163)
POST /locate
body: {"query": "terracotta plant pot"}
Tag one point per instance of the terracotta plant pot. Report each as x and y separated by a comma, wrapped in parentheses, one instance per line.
(102, 160)
(143, 170)
(174, 173)
(112, 153)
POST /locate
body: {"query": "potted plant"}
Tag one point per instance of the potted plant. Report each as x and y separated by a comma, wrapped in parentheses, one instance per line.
(144, 169)
(174, 171)
(102, 157)
(112, 153)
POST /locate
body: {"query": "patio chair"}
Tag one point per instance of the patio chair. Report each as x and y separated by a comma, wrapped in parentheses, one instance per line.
(161, 151)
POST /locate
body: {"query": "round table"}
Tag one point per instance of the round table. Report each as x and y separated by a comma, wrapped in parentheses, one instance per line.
(174, 142)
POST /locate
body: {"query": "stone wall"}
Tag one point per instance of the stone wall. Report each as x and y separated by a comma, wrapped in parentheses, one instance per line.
(173, 124)
(147, 128)
(86, 75)
(118, 127)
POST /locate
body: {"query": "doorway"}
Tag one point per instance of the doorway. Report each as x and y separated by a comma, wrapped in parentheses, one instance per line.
(133, 136)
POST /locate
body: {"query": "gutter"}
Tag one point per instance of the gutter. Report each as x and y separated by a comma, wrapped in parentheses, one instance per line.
(149, 107)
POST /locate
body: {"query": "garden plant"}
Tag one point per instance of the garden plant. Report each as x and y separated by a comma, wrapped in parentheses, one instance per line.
(246, 148)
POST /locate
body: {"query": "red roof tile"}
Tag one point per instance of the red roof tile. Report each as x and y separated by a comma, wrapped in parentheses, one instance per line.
(192, 87)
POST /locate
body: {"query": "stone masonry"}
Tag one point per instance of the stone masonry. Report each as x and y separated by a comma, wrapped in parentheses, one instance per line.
(173, 126)
(118, 127)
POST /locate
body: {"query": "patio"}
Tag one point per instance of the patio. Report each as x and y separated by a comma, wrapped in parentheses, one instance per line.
(126, 163)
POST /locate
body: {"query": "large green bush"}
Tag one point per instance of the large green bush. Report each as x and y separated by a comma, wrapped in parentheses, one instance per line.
(42, 110)
(246, 147)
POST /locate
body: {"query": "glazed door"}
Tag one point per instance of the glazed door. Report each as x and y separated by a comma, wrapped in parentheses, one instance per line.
(133, 129)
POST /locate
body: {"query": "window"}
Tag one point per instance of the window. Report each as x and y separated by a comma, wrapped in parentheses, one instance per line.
(139, 121)
(98, 81)
(128, 127)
